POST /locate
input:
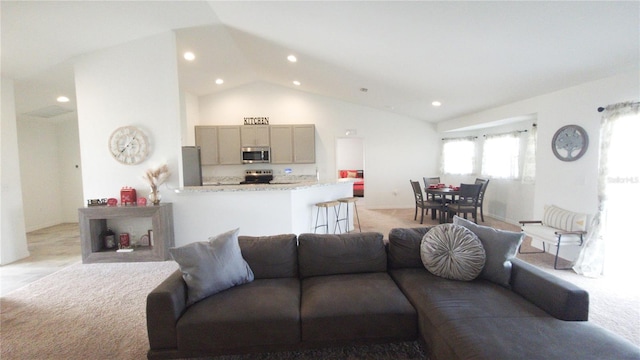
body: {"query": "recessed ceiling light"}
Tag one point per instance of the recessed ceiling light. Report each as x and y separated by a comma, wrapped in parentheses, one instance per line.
(292, 58)
(62, 99)
(219, 81)
(436, 103)
(189, 56)
(296, 82)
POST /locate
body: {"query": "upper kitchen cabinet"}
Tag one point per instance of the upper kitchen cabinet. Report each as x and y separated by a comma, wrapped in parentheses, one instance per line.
(304, 144)
(293, 144)
(207, 140)
(254, 135)
(229, 149)
(281, 144)
(219, 145)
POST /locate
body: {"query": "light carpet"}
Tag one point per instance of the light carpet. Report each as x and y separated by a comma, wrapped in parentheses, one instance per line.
(97, 311)
(84, 311)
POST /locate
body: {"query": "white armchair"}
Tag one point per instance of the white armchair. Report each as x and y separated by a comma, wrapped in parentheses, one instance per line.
(558, 227)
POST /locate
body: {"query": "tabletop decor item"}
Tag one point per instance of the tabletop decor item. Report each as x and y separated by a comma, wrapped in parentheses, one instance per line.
(96, 202)
(144, 240)
(128, 195)
(125, 241)
(155, 178)
(570, 142)
(109, 239)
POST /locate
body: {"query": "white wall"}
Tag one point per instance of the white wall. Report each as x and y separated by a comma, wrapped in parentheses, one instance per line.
(350, 153)
(70, 185)
(40, 167)
(131, 84)
(571, 185)
(397, 148)
(13, 239)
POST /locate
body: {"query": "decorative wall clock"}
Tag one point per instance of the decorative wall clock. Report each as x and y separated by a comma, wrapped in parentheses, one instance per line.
(129, 145)
(570, 142)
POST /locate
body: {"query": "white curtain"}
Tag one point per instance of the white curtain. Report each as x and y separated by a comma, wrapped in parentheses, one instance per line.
(529, 166)
(592, 257)
(500, 155)
(458, 156)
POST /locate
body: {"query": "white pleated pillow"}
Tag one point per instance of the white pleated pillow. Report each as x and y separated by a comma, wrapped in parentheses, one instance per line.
(452, 252)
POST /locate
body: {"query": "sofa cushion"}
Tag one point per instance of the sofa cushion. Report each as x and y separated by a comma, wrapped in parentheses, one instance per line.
(355, 307)
(441, 300)
(271, 256)
(452, 252)
(265, 312)
(213, 266)
(321, 254)
(500, 247)
(404, 247)
(533, 338)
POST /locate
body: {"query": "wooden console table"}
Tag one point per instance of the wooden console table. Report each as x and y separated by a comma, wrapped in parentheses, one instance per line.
(93, 222)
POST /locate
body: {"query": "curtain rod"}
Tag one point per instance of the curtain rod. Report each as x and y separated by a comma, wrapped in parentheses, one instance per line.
(601, 109)
(485, 135)
(462, 137)
(510, 132)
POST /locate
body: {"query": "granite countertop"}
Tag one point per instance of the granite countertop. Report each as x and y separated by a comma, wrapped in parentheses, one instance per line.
(274, 186)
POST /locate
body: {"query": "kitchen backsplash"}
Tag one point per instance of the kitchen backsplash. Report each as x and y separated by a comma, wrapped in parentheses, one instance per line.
(231, 180)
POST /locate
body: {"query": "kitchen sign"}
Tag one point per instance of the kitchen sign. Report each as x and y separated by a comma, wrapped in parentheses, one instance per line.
(256, 120)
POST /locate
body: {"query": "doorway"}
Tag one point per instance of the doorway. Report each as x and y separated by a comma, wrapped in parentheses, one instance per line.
(350, 162)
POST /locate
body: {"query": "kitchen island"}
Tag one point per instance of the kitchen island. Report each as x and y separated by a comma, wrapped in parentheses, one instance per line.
(257, 209)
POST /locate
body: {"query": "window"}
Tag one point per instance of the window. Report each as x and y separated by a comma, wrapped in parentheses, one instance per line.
(501, 155)
(622, 191)
(458, 156)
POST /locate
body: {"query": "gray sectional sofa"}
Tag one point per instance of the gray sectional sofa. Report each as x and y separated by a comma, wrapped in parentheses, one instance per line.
(328, 290)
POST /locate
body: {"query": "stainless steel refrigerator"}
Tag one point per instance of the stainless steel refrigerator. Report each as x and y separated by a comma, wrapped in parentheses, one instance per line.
(191, 169)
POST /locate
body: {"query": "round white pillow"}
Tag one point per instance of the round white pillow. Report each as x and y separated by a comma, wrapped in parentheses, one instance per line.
(452, 252)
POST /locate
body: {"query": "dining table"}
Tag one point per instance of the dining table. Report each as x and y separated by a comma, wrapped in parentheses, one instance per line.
(447, 194)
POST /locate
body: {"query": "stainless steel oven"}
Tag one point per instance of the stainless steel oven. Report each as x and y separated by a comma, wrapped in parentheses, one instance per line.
(252, 155)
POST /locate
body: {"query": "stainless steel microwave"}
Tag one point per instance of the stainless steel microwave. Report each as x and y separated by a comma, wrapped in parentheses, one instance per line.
(252, 155)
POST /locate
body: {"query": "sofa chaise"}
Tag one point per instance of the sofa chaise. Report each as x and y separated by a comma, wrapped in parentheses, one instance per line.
(315, 290)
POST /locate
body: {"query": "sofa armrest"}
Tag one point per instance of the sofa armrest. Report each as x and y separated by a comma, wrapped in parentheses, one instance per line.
(165, 305)
(556, 296)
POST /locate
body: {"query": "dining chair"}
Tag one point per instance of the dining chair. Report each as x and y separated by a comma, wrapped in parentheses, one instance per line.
(467, 201)
(425, 204)
(484, 183)
(432, 181)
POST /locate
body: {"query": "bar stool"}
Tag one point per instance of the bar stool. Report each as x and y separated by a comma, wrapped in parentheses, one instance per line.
(348, 201)
(326, 205)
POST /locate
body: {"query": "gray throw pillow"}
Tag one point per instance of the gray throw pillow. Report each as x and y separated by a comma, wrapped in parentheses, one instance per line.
(500, 247)
(452, 252)
(209, 267)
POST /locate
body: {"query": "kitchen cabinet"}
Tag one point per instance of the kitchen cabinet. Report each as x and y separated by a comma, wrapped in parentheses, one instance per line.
(207, 140)
(254, 135)
(281, 144)
(229, 149)
(304, 144)
(290, 144)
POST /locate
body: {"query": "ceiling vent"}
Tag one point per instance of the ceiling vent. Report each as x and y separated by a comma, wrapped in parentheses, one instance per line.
(49, 111)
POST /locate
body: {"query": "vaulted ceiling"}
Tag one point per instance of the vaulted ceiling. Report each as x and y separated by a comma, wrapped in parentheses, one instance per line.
(469, 56)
